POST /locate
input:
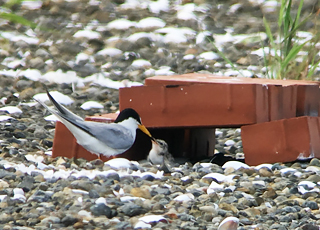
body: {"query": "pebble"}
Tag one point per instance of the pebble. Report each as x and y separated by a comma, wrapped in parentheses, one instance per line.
(37, 63)
(101, 209)
(132, 209)
(141, 192)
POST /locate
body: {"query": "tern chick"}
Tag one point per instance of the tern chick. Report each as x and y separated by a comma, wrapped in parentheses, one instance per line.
(159, 155)
(158, 151)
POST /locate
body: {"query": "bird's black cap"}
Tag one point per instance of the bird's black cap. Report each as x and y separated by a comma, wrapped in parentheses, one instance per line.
(126, 113)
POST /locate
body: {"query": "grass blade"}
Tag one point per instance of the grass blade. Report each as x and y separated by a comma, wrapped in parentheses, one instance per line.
(17, 19)
(268, 32)
(299, 12)
(291, 55)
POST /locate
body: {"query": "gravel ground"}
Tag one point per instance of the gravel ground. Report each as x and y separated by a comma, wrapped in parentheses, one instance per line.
(87, 50)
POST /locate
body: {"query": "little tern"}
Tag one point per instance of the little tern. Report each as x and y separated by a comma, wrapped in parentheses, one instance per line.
(159, 152)
(100, 138)
(160, 155)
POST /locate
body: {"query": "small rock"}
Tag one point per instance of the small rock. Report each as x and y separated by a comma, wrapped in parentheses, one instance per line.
(78, 225)
(50, 220)
(265, 172)
(27, 183)
(3, 184)
(251, 212)
(270, 193)
(228, 207)
(148, 177)
(314, 178)
(101, 209)
(123, 225)
(7, 174)
(310, 227)
(26, 94)
(315, 162)
(311, 204)
(69, 220)
(5, 218)
(42, 53)
(158, 208)
(36, 63)
(40, 133)
(132, 209)
(93, 193)
(141, 192)
(83, 185)
(23, 84)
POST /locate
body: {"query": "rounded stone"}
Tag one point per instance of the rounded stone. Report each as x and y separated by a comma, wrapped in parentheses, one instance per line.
(101, 209)
(131, 209)
(311, 204)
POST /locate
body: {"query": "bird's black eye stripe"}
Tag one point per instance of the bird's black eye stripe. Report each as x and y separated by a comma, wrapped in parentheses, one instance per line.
(162, 143)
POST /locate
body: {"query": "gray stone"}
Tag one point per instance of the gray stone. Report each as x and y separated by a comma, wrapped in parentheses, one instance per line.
(5, 174)
(131, 209)
(81, 184)
(93, 193)
(311, 204)
(315, 162)
(42, 53)
(37, 63)
(69, 220)
(27, 183)
(101, 210)
(50, 220)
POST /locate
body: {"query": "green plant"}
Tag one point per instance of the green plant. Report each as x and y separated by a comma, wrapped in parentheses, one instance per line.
(5, 13)
(17, 19)
(281, 58)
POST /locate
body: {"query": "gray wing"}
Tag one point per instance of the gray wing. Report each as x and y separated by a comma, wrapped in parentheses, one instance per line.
(113, 135)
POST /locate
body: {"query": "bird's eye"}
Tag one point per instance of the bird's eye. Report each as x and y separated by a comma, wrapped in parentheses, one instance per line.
(162, 143)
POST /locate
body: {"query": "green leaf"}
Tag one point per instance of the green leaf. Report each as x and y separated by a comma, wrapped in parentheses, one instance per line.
(287, 22)
(299, 12)
(291, 55)
(268, 32)
(17, 19)
(312, 69)
(281, 12)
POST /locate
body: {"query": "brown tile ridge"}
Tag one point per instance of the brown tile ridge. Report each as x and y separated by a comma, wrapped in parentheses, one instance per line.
(211, 78)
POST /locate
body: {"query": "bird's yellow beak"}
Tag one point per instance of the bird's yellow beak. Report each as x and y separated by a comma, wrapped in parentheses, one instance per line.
(144, 129)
